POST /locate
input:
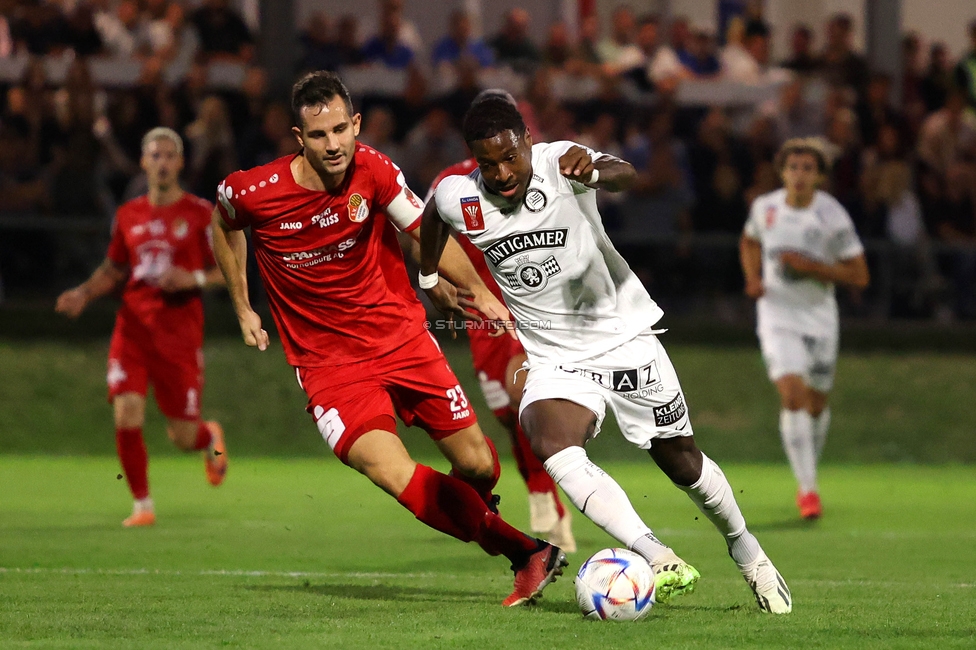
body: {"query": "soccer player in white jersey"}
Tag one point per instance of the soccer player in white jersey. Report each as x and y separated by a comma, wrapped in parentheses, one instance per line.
(797, 244)
(585, 321)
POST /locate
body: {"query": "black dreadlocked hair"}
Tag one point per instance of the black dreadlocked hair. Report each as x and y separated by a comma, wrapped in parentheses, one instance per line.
(316, 89)
(489, 117)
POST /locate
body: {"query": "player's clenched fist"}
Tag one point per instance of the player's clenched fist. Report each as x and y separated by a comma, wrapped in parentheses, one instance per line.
(72, 302)
(254, 335)
(754, 288)
(576, 164)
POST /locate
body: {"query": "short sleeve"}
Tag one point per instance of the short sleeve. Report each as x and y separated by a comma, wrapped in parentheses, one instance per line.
(118, 252)
(844, 242)
(753, 227)
(447, 203)
(229, 204)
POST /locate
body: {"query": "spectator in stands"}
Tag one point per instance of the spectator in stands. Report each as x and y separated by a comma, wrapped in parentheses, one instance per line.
(720, 165)
(431, 146)
(841, 65)
(6, 44)
(875, 109)
(379, 129)
(966, 69)
(955, 223)
(116, 26)
(22, 187)
(466, 88)
(269, 139)
(223, 33)
(81, 35)
(512, 45)
(939, 78)
(347, 40)
(558, 50)
(618, 53)
(319, 48)
(73, 187)
(736, 62)
(802, 59)
(843, 147)
(409, 35)
(794, 116)
(212, 155)
(662, 69)
(387, 48)
(911, 77)
(948, 136)
(459, 43)
(679, 37)
(587, 39)
(39, 29)
(700, 56)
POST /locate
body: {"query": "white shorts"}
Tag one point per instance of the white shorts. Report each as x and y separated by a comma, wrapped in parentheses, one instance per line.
(791, 353)
(636, 379)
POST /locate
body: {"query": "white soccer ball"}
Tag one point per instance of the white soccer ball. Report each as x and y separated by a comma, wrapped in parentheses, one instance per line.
(615, 585)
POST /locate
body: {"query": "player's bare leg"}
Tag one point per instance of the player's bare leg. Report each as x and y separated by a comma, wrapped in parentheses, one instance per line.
(474, 460)
(547, 515)
(129, 410)
(705, 483)
(796, 427)
(451, 506)
(205, 436)
(558, 429)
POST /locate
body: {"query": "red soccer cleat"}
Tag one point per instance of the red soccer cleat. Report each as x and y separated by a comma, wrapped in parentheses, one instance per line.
(809, 505)
(140, 519)
(215, 458)
(541, 570)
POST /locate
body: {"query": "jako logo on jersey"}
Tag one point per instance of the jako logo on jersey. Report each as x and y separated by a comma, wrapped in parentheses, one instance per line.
(325, 218)
(291, 225)
(535, 200)
(358, 210)
(525, 241)
(471, 209)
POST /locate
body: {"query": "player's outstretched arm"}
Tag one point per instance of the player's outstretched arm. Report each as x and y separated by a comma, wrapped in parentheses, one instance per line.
(851, 272)
(750, 257)
(105, 279)
(606, 172)
(230, 251)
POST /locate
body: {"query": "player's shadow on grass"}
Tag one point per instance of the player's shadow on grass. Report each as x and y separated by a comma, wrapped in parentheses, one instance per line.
(379, 592)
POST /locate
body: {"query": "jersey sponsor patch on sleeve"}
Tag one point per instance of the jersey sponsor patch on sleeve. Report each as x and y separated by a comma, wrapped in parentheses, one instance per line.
(471, 209)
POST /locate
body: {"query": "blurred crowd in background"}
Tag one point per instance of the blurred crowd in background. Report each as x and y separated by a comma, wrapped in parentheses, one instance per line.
(903, 148)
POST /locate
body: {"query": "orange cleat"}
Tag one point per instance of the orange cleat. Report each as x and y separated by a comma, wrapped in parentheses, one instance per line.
(215, 457)
(809, 505)
(140, 519)
(541, 570)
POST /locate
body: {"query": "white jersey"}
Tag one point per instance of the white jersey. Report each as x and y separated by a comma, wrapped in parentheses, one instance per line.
(822, 231)
(572, 295)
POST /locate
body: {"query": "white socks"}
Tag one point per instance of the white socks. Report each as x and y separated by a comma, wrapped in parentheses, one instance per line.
(820, 425)
(142, 505)
(713, 496)
(599, 497)
(796, 431)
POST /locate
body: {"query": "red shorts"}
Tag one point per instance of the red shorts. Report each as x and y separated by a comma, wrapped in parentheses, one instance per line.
(176, 375)
(414, 381)
(490, 357)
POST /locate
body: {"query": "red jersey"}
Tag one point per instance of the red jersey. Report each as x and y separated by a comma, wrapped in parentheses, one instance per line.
(330, 260)
(477, 258)
(148, 240)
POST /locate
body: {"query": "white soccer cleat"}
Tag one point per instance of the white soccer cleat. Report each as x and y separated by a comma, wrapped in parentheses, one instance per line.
(772, 594)
(674, 577)
(543, 516)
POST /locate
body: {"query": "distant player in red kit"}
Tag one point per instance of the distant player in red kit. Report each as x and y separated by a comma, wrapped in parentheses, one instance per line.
(353, 328)
(496, 358)
(160, 256)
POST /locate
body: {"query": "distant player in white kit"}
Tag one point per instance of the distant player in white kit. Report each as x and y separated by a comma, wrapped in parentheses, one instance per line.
(797, 244)
(585, 321)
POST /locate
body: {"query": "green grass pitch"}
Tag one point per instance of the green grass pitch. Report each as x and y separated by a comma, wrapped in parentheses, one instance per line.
(297, 551)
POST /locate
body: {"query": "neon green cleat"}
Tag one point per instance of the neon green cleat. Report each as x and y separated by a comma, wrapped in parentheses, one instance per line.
(674, 577)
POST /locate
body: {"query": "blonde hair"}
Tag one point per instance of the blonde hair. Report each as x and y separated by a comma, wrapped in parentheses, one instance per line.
(811, 146)
(163, 133)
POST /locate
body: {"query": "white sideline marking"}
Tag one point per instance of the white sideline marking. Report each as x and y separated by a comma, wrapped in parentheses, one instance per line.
(369, 575)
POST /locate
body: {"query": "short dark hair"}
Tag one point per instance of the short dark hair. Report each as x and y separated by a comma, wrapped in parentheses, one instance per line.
(489, 117)
(316, 89)
(810, 146)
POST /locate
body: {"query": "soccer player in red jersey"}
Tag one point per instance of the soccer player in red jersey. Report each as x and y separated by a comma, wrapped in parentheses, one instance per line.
(497, 359)
(161, 258)
(354, 330)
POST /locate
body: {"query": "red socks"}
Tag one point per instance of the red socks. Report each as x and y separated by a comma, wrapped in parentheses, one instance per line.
(536, 477)
(203, 437)
(483, 486)
(135, 460)
(453, 507)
